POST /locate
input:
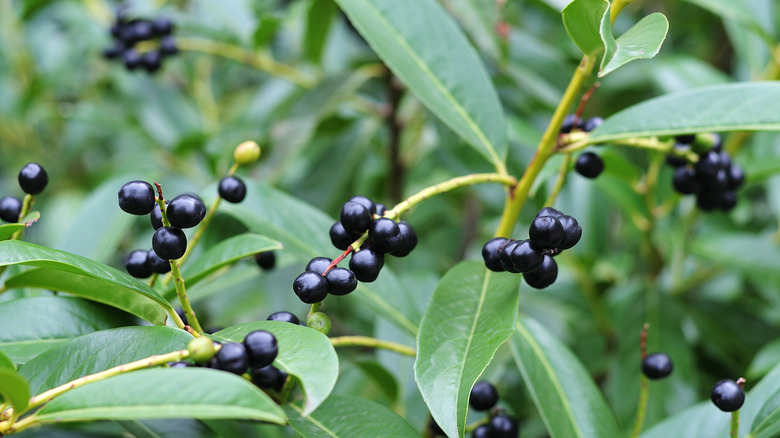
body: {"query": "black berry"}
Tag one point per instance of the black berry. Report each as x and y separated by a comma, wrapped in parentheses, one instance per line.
(385, 235)
(685, 138)
(162, 26)
(483, 396)
(728, 200)
(504, 427)
(232, 189)
(546, 232)
(151, 60)
(684, 181)
(185, 211)
(137, 264)
(355, 218)
(482, 431)
(341, 281)
(592, 123)
(33, 179)
(570, 122)
(136, 197)
(233, 358)
(340, 238)
(142, 30)
(727, 395)
(657, 366)
(158, 265)
(365, 202)
(168, 46)
(708, 165)
(284, 316)
(572, 232)
(491, 255)
(589, 165)
(526, 257)
(261, 347)
(544, 275)
(505, 255)
(265, 260)
(132, 59)
(366, 264)
(736, 176)
(409, 240)
(10, 208)
(156, 215)
(318, 264)
(380, 209)
(169, 243)
(269, 377)
(310, 287)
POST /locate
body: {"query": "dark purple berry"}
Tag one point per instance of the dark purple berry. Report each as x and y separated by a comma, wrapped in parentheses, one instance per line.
(685, 181)
(233, 358)
(169, 243)
(409, 240)
(727, 395)
(491, 255)
(131, 58)
(185, 211)
(505, 254)
(265, 260)
(685, 138)
(708, 165)
(572, 232)
(365, 202)
(592, 123)
(657, 366)
(137, 264)
(589, 165)
(708, 200)
(570, 122)
(33, 179)
(268, 377)
(544, 275)
(10, 209)
(310, 287)
(728, 200)
(482, 431)
(526, 257)
(158, 265)
(168, 46)
(355, 218)
(162, 26)
(114, 51)
(385, 235)
(504, 427)
(549, 211)
(318, 264)
(483, 396)
(736, 176)
(156, 216)
(546, 232)
(136, 197)
(284, 316)
(380, 209)
(151, 61)
(366, 264)
(341, 281)
(142, 30)
(261, 347)
(340, 238)
(232, 189)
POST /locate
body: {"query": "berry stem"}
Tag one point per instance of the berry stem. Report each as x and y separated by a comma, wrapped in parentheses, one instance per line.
(560, 181)
(9, 427)
(517, 195)
(641, 407)
(27, 204)
(259, 60)
(734, 429)
(643, 340)
(365, 341)
(580, 140)
(314, 309)
(178, 282)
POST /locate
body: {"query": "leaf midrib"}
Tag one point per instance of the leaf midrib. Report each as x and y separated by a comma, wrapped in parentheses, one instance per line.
(313, 420)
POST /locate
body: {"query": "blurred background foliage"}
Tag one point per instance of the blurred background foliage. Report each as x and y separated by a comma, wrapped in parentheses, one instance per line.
(333, 122)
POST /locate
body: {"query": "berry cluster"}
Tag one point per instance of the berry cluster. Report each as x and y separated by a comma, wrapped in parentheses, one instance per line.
(127, 33)
(168, 242)
(550, 233)
(714, 179)
(484, 397)
(32, 179)
(657, 366)
(385, 236)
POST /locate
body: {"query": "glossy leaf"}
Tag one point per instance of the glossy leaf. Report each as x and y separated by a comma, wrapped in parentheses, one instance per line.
(642, 41)
(729, 249)
(24, 253)
(165, 393)
(30, 326)
(767, 421)
(471, 313)
(223, 254)
(729, 107)
(588, 26)
(99, 351)
(343, 416)
(564, 394)
(304, 353)
(8, 230)
(14, 389)
(5, 362)
(409, 36)
(318, 23)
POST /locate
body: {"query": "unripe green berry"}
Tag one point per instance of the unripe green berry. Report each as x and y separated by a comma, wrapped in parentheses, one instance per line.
(246, 153)
(319, 321)
(201, 349)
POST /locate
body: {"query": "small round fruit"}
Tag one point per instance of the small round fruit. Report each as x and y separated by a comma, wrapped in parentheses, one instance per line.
(569, 123)
(318, 264)
(142, 30)
(589, 165)
(284, 316)
(158, 265)
(151, 60)
(572, 232)
(33, 179)
(544, 275)
(549, 211)
(592, 123)
(491, 254)
(546, 232)
(526, 257)
(261, 347)
(685, 138)
(708, 200)
(268, 377)
(736, 176)
(409, 240)
(185, 211)
(380, 210)
(366, 202)
(168, 47)
(156, 215)
(136, 197)
(366, 264)
(727, 395)
(385, 235)
(245, 153)
(504, 427)
(340, 238)
(10, 208)
(233, 358)
(728, 200)
(265, 260)
(320, 322)
(169, 243)
(483, 396)
(482, 431)
(310, 287)
(132, 59)
(685, 181)
(341, 281)
(232, 189)
(162, 26)
(355, 218)
(656, 366)
(708, 165)
(137, 264)
(506, 256)
(201, 349)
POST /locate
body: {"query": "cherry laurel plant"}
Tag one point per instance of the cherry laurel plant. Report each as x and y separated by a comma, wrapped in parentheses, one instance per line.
(518, 245)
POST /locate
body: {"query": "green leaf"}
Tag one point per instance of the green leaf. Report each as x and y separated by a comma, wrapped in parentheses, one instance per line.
(410, 36)
(304, 353)
(31, 326)
(642, 41)
(767, 421)
(5, 362)
(121, 290)
(570, 404)
(588, 26)
(766, 358)
(471, 313)
(343, 416)
(730, 107)
(223, 254)
(8, 230)
(99, 351)
(14, 389)
(164, 393)
(318, 23)
(728, 248)
(737, 10)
